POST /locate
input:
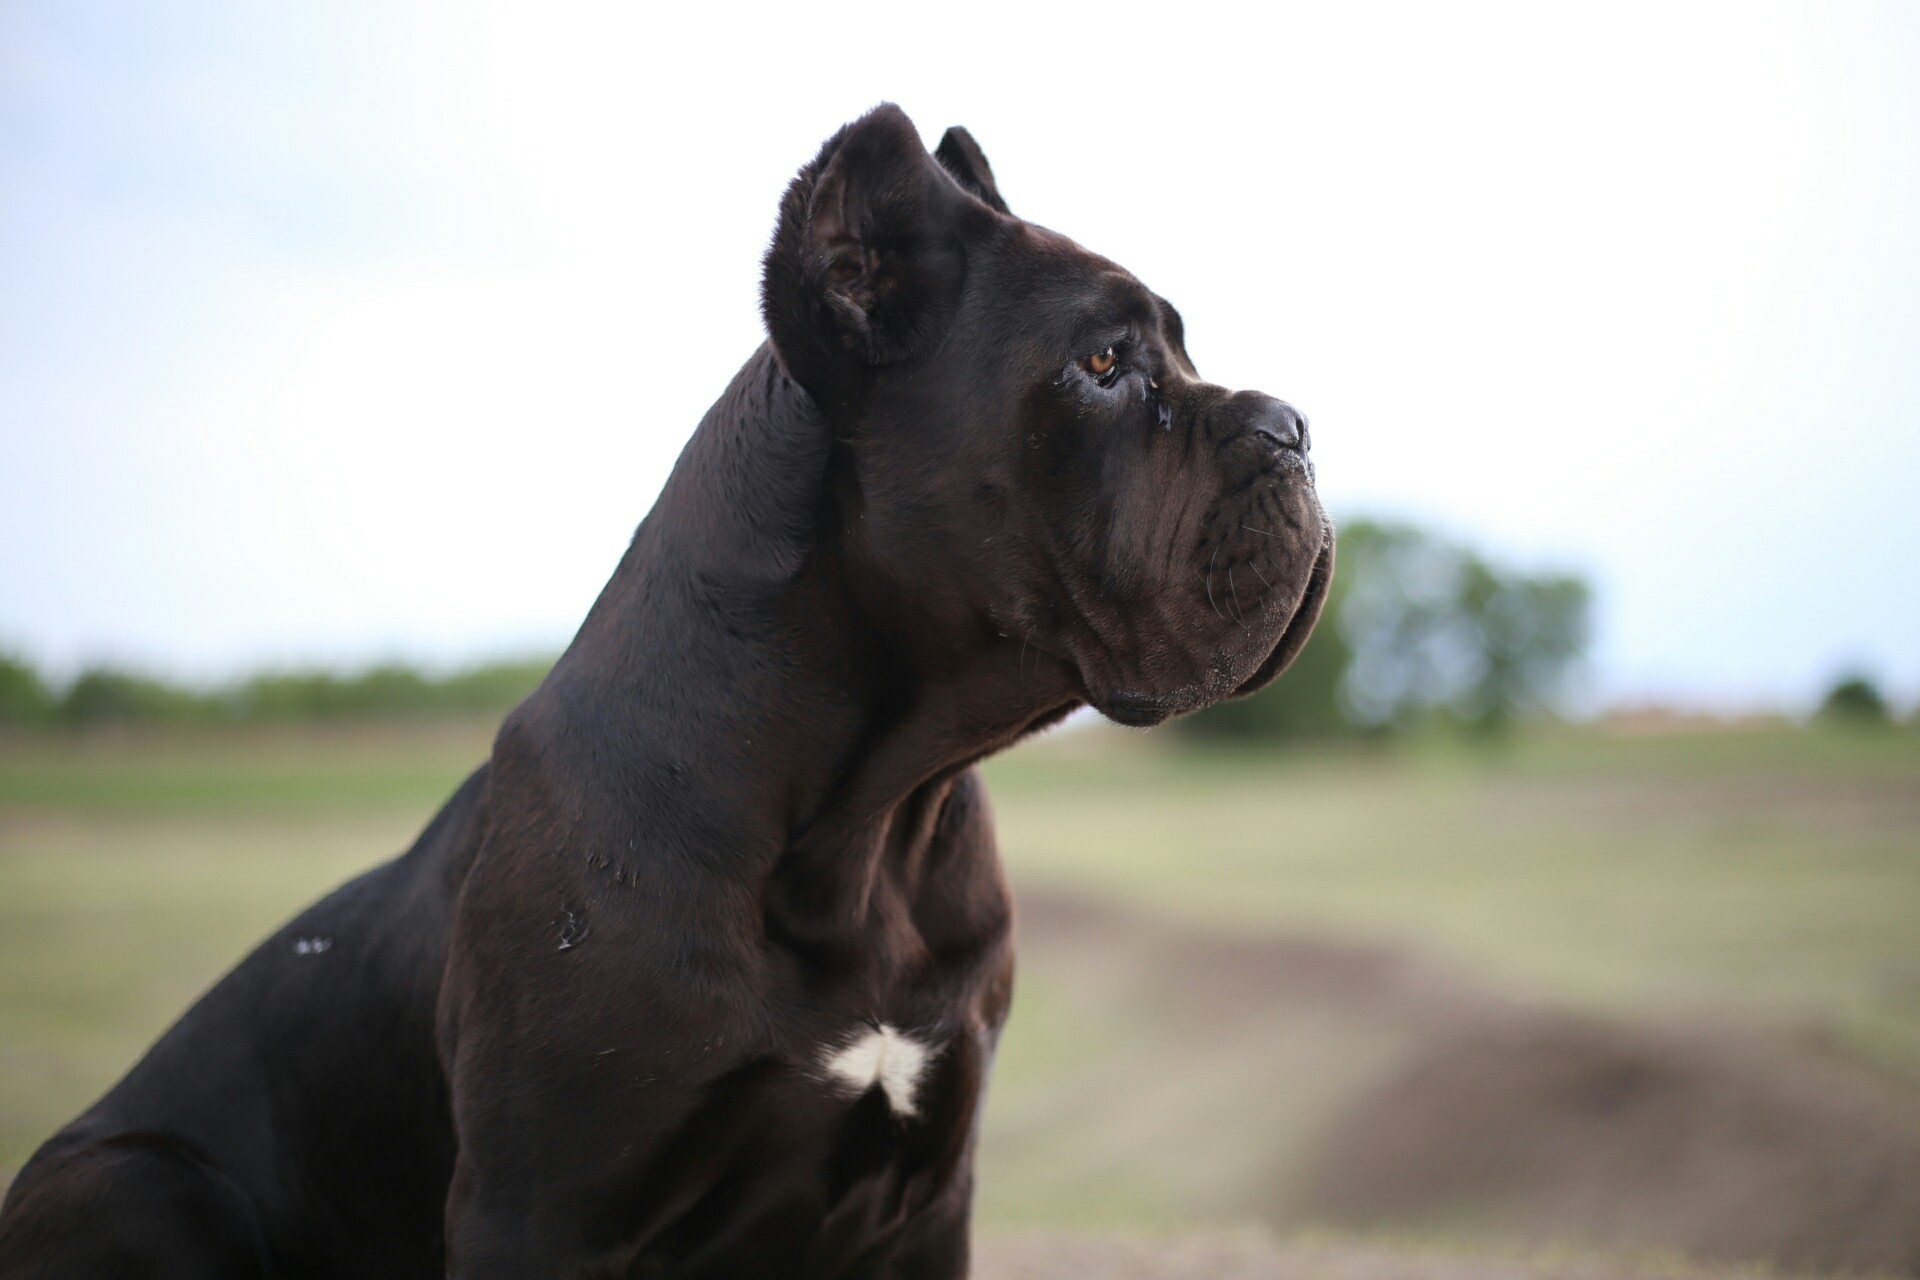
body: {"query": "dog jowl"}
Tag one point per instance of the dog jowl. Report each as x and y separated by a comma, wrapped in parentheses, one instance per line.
(701, 972)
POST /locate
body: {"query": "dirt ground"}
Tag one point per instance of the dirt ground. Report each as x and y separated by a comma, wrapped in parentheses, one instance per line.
(1267, 1038)
(1249, 1258)
(1388, 1095)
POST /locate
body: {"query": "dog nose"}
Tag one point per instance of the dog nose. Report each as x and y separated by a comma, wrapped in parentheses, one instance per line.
(1278, 421)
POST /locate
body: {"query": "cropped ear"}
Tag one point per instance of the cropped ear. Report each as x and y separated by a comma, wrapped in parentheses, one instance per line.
(866, 262)
(962, 157)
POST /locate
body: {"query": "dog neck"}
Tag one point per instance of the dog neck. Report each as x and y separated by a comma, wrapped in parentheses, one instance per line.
(748, 577)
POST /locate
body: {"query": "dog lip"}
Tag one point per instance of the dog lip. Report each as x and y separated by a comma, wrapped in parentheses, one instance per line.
(1306, 611)
(1136, 710)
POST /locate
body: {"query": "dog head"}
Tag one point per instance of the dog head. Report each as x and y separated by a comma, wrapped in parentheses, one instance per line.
(1024, 448)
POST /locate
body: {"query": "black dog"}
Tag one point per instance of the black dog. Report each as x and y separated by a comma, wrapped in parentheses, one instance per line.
(701, 974)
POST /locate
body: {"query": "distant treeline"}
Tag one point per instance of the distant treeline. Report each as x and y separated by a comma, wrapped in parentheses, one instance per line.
(1423, 631)
(110, 695)
(1420, 630)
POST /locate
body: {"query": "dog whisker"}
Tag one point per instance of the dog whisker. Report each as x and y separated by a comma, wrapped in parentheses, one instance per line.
(1210, 599)
(1236, 599)
(1263, 577)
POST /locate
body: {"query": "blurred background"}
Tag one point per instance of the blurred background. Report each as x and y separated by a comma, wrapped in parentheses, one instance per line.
(1565, 897)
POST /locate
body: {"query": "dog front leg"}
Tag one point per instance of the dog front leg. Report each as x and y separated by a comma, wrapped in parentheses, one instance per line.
(573, 1185)
(939, 1245)
(573, 1166)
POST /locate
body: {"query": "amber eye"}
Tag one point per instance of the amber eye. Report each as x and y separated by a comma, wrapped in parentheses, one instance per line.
(1100, 365)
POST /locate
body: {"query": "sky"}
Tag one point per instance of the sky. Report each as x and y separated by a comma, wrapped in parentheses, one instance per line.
(351, 331)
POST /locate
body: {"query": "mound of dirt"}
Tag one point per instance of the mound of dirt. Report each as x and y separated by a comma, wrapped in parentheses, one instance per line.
(1542, 1126)
(1391, 1094)
(1245, 1258)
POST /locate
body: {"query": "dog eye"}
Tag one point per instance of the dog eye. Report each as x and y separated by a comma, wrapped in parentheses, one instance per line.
(1101, 366)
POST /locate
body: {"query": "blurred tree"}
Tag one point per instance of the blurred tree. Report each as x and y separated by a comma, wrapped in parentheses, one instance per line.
(385, 690)
(494, 687)
(1855, 699)
(104, 695)
(1419, 626)
(108, 695)
(24, 697)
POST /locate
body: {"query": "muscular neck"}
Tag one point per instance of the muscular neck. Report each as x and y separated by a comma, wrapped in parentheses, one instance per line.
(751, 644)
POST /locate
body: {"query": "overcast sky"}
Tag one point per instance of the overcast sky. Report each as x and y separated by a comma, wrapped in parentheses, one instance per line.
(351, 330)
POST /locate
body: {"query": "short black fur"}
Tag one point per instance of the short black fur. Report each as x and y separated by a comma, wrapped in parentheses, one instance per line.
(586, 1025)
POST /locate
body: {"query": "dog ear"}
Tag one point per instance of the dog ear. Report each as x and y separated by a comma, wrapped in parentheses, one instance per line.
(866, 262)
(962, 157)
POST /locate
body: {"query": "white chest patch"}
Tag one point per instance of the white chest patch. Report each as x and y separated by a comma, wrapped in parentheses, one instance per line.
(885, 1057)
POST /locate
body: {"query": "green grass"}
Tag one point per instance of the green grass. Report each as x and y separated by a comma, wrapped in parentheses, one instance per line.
(1773, 876)
(136, 868)
(215, 772)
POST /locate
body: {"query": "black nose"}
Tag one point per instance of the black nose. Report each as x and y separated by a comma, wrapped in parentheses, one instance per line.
(1278, 421)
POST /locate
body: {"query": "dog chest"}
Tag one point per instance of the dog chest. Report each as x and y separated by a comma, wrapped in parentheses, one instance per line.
(883, 1058)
